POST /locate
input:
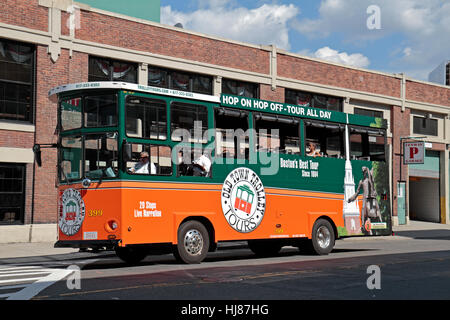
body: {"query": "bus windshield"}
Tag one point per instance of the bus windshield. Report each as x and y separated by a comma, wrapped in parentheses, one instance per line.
(93, 156)
(90, 111)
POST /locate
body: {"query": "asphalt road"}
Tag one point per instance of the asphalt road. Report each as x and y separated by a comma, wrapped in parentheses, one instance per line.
(377, 269)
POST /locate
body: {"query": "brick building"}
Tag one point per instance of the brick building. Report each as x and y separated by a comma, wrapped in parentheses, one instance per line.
(40, 49)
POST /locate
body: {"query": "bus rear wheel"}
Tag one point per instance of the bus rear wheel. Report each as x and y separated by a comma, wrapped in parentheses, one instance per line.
(323, 237)
(193, 242)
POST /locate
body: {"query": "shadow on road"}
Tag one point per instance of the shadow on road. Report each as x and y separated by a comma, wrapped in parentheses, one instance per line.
(435, 234)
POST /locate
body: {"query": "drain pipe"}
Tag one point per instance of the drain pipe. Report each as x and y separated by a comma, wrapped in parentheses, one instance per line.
(403, 91)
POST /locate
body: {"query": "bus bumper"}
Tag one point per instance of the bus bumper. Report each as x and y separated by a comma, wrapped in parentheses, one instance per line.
(85, 243)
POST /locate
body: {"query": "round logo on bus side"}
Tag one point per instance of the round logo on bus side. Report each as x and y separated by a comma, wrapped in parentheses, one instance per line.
(243, 200)
(71, 213)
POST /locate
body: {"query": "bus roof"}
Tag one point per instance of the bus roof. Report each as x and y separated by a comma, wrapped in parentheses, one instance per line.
(129, 87)
(239, 102)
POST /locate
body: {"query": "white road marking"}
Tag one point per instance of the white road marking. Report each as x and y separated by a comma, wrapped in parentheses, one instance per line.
(27, 279)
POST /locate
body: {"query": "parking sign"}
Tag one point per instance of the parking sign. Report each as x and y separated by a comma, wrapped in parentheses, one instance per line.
(413, 152)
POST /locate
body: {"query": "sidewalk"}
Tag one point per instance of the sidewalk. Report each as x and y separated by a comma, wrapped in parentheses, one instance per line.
(415, 229)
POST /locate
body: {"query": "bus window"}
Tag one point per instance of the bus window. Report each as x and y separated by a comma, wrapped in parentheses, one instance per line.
(101, 155)
(100, 111)
(71, 114)
(146, 118)
(232, 138)
(150, 159)
(324, 139)
(277, 134)
(71, 157)
(189, 122)
(194, 162)
(367, 144)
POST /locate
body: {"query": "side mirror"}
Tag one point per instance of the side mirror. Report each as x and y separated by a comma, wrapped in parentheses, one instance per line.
(37, 154)
(126, 151)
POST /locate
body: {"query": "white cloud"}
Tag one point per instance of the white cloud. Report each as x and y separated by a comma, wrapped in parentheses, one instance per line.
(328, 54)
(267, 24)
(424, 27)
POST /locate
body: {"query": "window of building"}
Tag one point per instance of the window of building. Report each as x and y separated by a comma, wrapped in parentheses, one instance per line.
(277, 134)
(232, 136)
(16, 80)
(12, 193)
(369, 113)
(101, 69)
(313, 100)
(324, 139)
(425, 125)
(146, 118)
(189, 122)
(183, 81)
(148, 159)
(367, 144)
(240, 88)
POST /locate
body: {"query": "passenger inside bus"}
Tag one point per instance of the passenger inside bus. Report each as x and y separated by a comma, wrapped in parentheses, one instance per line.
(143, 164)
(200, 167)
(311, 149)
(327, 138)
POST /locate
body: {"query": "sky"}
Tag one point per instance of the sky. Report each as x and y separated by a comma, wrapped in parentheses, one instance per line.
(393, 36)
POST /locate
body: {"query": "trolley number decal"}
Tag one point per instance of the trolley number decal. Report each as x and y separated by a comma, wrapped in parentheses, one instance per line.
(95, 212)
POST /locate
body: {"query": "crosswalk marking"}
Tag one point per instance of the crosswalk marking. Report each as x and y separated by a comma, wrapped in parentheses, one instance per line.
(29, 279)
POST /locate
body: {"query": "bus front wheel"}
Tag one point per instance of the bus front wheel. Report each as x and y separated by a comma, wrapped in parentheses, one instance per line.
(193, 242)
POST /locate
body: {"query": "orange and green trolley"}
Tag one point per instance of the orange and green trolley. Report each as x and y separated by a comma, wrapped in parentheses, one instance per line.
(261, 185)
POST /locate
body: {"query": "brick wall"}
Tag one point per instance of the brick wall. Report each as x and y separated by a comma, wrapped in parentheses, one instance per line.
(337, 76)
(400, 126)
(24, 13)
(266, 93)
(423, 92)
(48, 75)
(128, 34)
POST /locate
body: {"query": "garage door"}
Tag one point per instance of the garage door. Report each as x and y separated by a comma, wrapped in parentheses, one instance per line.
(424, 193)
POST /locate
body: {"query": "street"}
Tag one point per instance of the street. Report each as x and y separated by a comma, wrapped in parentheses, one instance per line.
(403, 267)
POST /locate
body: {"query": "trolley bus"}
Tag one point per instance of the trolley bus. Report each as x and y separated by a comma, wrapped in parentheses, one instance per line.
(147, 170)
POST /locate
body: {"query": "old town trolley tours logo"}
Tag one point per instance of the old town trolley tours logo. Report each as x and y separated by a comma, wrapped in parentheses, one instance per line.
(72, 212)
(243, 200)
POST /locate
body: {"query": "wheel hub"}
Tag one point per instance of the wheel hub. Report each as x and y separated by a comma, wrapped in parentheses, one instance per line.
(193, 242)
(323, 237)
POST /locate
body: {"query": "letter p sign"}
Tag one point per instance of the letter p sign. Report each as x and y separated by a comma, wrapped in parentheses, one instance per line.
(414, 152)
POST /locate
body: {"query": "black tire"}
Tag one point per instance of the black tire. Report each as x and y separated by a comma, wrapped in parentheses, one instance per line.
(131, 255)
(265, 248)
(193, 242)
(323, 237)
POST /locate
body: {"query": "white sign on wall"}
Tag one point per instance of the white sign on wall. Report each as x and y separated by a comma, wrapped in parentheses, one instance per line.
(414, 152)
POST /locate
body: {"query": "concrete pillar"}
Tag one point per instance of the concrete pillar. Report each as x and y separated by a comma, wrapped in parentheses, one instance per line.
(444, 186)
(217, 85)
(143, 74)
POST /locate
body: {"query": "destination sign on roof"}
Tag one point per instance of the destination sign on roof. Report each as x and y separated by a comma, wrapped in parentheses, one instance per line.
(304, 111)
